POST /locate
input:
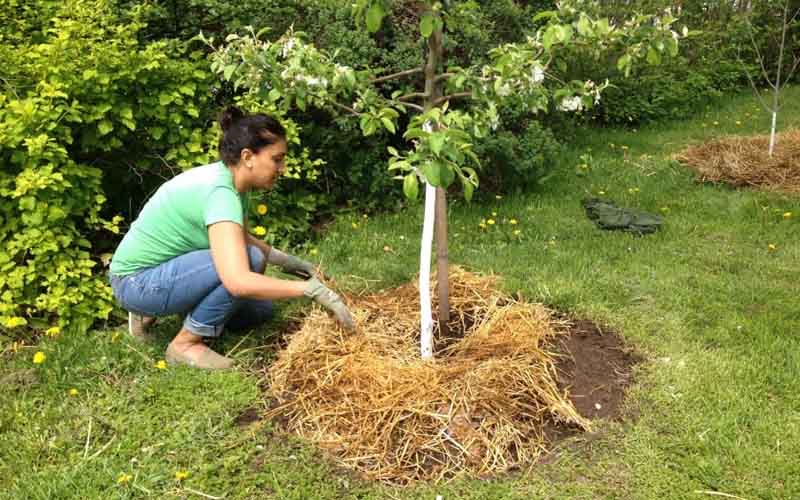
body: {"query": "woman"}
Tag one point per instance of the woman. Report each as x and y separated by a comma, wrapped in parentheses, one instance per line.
(189, 250)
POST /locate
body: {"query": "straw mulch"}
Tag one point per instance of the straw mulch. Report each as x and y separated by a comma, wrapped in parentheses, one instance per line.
(745, 161)
(368, 398)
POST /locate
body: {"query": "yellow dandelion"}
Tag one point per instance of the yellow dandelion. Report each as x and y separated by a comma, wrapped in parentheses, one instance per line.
(354, 224)
(15, 346)
(787, 215)
(772, 247)
(262, 209)
(313, 251)
(490, 222)
(517, 232)
(124, 478)
(259, 231)
(716, 123)
(601, 192)
(73, 392)
(738, 122)
(15, 321)
(494, 214)
(482, 225)
(39, 358)
(513, 222)
(161, 365)
(115, 337)
(53, 331)
(180, 475)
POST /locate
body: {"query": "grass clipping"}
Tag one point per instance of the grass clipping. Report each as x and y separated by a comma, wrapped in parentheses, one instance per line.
(745, 161)
(369, 399)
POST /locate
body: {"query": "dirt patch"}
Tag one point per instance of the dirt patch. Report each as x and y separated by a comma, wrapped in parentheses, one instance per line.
(596, 368)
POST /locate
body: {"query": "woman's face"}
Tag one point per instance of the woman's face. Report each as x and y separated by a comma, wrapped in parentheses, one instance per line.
(265, 167)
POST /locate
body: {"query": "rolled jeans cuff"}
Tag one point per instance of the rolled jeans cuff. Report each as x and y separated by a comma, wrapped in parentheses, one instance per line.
(202, 329)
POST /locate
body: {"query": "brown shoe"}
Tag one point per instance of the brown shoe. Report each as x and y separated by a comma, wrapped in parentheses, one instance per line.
(207, 359)
(138, 325)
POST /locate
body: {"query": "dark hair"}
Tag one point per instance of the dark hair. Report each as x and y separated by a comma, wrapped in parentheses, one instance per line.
(246, 131)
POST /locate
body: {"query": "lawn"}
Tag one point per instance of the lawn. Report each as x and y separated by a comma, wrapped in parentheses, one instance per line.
(715, 408)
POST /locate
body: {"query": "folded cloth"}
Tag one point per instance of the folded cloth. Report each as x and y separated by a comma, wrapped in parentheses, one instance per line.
(608, 216)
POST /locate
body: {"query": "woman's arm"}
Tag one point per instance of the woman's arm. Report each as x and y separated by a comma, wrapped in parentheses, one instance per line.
(229, 253)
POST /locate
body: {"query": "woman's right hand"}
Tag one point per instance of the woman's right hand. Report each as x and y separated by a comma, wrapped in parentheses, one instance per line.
(327, 298)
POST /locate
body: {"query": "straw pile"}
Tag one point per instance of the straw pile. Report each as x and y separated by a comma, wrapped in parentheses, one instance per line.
(745, 161)
(368, 398)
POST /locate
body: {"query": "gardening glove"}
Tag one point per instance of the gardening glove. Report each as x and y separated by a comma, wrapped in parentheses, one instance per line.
(291, 264)
(327, 298)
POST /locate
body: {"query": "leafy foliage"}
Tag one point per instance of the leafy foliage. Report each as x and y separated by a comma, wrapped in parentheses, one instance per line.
(81, 97)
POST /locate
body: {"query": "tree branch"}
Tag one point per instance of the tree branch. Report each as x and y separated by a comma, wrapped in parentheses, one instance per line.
(408, 105)
(443, 76)
(446, 98)
(397, 75)
(346, 108)
(415, 95)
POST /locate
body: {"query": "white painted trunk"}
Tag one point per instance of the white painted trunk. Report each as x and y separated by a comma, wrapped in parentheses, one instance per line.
(426, 331)
(772, 133)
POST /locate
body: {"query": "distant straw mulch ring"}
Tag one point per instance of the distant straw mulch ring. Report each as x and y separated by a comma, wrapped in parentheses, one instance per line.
(745, 162)
(479, 408)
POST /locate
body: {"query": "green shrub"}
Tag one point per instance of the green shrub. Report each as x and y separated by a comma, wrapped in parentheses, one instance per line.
(83, 100)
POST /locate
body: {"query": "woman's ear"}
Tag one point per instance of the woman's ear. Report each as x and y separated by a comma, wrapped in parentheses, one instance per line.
(246, 158)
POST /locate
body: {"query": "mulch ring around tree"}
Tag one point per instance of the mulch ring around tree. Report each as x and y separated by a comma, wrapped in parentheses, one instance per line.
(512, 378)
(744, 161)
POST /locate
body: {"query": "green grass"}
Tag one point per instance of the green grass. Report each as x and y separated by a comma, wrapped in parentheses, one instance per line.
(716, 404)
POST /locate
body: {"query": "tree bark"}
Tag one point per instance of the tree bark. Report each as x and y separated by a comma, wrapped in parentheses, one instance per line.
(433, 91)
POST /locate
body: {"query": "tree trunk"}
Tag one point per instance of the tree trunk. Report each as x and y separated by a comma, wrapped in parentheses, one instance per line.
(433, 90)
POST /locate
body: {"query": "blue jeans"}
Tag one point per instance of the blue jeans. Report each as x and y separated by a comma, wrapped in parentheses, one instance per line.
(190, 284)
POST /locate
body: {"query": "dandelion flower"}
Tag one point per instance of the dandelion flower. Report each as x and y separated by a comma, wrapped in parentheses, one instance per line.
(73, 392)
(601, 192)
(354, 224)
(517, 232)
(161, 365)
(53, 331)
(738, 122)
(181, 475)
(772, 247)
(490, 222)
(313, 251)
(124, 478)
(716, 123)
(494, 214)
(259, 231)
(39, 358)
(482, 225)
(513, 222)
(787, 215)
(262, 209)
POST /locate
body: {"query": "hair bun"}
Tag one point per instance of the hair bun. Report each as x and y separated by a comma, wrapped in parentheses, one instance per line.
(229, 116)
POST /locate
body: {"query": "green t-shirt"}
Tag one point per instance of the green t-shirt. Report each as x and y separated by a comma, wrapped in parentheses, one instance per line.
(175, 220)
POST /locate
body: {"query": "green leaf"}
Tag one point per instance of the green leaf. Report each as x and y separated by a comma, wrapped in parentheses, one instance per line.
(624, 63)
(126, 113)
(392, 151)
(585, 27)
(411, 186)
(550, 36)
(228, 71)
(104, 127)
(389, 124)
(164, 99)
(547, 14)
(432, 173)
(672, 47)
(436, 142)
(426, 24)
(274, 95)
(447, 174)
(375, 15)
(157, 133)
(27, 202)
(468, 190)
(653, 57)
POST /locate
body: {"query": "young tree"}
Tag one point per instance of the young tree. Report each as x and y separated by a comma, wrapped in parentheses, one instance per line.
(277, 76)
(780, 80)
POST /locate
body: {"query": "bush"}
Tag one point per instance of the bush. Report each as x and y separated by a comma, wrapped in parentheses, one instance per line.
(82, 98)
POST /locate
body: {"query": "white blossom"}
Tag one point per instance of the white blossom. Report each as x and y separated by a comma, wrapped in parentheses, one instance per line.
(573, 103)
(427, 126)
(537, 75)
